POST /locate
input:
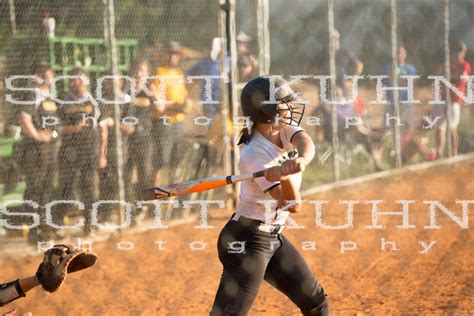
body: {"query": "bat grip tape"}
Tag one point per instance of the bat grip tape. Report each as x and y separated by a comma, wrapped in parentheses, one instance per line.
(258, 174)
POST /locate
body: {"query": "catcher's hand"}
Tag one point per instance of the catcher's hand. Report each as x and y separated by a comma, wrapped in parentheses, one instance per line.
(59, 261)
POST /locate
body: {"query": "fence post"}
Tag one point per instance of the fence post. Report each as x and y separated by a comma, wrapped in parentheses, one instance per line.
(225, 95)
(396, 103)
(12, 16)
(263, 38)
(447, 70)
(232, 86)
(109, 31)
(332, 70)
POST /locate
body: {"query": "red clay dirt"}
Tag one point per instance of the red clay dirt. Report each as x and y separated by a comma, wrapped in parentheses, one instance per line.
(179, 281)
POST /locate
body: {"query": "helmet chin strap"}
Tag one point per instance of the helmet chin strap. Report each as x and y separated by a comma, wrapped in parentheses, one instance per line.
(271, 128)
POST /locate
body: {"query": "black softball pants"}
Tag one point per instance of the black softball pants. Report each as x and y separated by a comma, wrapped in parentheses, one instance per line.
(249, 256)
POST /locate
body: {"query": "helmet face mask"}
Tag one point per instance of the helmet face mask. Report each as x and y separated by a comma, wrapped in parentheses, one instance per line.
(290, 113)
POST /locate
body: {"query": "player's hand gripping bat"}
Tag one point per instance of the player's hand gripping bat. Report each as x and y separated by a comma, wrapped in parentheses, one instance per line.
(200, 185)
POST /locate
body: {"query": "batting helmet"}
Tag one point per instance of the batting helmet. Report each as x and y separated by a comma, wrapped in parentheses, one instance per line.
(260, 106)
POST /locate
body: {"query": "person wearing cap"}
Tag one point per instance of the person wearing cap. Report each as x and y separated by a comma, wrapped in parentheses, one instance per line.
(247, 63)
(243, 43)
(38, 148)
(347, 63)
(139, 151)
(170, 112)
(460, 69)
(210, 65)
(79, 149)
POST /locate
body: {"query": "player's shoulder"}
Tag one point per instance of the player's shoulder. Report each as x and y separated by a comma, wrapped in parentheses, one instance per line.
(289, 131)
(411, 69)
(252, 150)
(253, 158)
(256, 149)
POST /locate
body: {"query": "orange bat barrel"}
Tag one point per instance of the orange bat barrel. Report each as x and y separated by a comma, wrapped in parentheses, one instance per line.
(198, 185)
(185, 188)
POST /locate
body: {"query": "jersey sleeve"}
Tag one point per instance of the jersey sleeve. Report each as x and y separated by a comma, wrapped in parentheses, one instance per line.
(467, 68)
(65, 120)
(196, 69)
(254, 162)
(290, 131)
(20, 108)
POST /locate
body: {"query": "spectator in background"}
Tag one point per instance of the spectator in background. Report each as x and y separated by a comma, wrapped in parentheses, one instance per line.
(243, 43)
(79, 144)
(346, 64)
(168, 132)
(140, 141)
(246, 67)
(210, 66)
(412, 139)
(37, 149)
(49, 24)
(414, 142)
(247, 63)
(107, 163)
(459, 67)
(406, 109)
(352, 135)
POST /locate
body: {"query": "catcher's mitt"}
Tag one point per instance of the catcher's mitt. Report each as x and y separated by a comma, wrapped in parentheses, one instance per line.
(59, 261)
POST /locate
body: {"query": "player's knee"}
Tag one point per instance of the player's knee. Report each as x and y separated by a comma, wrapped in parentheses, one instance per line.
(315, 303)
(320, 310)
(228, 310)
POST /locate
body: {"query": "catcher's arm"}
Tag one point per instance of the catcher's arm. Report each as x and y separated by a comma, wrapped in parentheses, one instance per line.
(57, 263)
(12, 291)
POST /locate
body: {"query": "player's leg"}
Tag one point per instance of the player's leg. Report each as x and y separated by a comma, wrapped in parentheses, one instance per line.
(171, 137)
(441, 139)
(137, 161)
(157, 151)
(87, 166)
(289, 273)
(108, 182)
(48, 171)
(67, 171)
(143, 160)
(30, 164)
(128, 172)
(33, 171)
(438, 113)
(453, 125)
(243, 270)
(45, 173)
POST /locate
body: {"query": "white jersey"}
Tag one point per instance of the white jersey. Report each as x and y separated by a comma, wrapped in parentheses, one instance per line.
(259, 154)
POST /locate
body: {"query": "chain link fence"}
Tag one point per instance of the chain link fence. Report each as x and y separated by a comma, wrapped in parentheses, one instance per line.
(61, 145)
(363, 35)
(50, 153)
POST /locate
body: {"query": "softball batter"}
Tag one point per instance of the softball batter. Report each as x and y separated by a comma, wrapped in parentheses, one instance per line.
(275, 141)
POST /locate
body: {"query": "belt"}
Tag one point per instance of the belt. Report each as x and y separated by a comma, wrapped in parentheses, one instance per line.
(254, 223)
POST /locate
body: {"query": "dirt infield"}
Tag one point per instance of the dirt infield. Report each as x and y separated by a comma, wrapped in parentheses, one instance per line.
(179, 281)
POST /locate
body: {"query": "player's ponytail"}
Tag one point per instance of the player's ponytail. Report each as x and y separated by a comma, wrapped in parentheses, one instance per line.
(244, 136)
(246, 133)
